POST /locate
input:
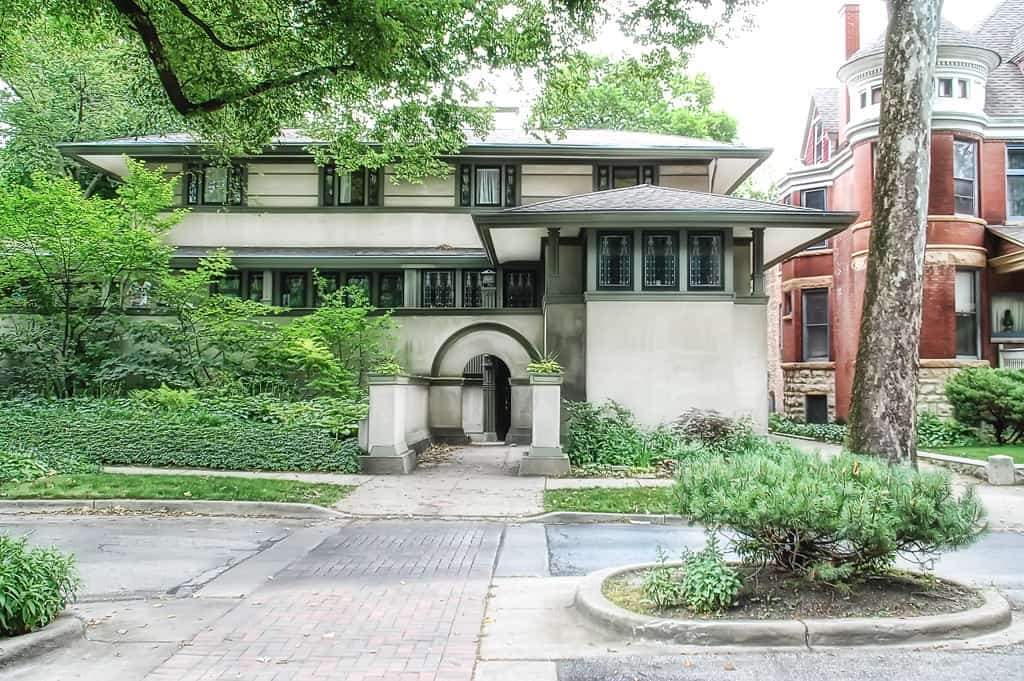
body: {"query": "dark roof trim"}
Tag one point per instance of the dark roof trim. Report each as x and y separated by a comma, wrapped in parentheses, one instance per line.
(608, 217)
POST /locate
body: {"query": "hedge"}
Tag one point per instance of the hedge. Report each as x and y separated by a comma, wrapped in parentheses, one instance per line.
(122, 432)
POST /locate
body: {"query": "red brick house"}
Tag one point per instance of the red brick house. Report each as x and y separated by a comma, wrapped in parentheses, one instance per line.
(974, 270)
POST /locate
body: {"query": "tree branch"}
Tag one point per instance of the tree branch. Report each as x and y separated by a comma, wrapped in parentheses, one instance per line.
(147, 31)
(208, 30)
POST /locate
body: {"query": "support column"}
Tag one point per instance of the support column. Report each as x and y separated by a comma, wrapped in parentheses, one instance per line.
(268, 287)
(490, 418)
(553, 249)
(546, 456)
(757, 264)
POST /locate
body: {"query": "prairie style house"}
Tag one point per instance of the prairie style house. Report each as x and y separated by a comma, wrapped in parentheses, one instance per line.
(621, 252)
(974, 269)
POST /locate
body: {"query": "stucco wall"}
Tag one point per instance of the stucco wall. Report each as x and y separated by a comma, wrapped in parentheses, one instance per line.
(662, 358)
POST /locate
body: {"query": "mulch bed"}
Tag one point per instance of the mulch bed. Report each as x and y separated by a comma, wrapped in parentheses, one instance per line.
(772, 594)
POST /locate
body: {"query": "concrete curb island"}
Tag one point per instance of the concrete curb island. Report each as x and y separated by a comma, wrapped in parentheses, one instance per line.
(993, 615)
(212, 508)
(61, 632)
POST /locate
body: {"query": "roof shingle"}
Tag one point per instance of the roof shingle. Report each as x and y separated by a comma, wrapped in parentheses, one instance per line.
(646, 197)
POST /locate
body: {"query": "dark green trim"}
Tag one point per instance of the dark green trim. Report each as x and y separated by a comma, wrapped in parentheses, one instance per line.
(435, 367)
(643, 218)
(665, 296)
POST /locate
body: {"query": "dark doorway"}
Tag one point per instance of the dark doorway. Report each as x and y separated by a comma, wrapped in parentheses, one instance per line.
(492, 375)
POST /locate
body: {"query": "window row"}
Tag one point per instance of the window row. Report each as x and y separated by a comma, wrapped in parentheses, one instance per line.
(487, 185)
(438, 288)
(947, 88)
(660, 256)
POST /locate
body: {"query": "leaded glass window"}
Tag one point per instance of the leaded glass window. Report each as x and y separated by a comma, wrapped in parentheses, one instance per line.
(472, 292)
(326, 284)
(520, 288)
(438, 288)
(661, 260)
(356, 188)
(255, 280)
(706, 261)
(293, 289)
(230, 285)
(212, 185)
(615, 261)
(391, 289)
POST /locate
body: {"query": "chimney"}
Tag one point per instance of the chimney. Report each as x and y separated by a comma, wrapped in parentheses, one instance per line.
(850, 12)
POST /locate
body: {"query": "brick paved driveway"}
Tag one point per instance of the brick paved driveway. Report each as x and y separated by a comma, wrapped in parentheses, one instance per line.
(395, 601)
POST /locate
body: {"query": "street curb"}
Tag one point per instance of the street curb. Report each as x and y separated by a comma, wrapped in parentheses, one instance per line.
(58, 633)
(566, 517)
(212, 508)
(590, 600)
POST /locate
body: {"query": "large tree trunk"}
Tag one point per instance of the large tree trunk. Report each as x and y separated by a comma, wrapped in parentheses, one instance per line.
(883, 413)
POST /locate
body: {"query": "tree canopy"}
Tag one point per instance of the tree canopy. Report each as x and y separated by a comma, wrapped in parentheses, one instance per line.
(403, 74)
(644, 94)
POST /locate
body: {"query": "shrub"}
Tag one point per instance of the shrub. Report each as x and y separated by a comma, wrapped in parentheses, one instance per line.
(709, 584)
(125, 431)
(25, 465)
(935, 431)
(982, 396)
(661, 585)
(706, 427)
(830, 519)
(36, 584)
(824, 432)
(605, 434)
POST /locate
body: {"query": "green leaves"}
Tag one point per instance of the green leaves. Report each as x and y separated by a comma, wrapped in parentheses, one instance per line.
(36, 584)
(982, 396)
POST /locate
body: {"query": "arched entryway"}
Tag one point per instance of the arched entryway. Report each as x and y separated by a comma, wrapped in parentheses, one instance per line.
(488, 350)
(486, 399)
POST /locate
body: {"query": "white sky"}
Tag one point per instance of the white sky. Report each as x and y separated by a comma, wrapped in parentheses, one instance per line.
(764, 76)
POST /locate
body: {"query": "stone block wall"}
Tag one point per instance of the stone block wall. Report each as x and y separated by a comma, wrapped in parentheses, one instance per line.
(807, 378)
(931, 383)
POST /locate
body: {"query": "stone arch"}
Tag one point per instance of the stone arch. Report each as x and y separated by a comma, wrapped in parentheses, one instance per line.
(489, 338)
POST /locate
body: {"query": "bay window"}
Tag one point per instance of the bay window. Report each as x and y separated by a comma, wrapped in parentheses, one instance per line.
(965, 177)
(614, 261)
(966, 302)
(706, 261)
(661, 261)
(815, 325)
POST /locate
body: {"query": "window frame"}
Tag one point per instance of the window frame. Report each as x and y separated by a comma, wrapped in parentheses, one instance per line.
(963, 88)
(455, 289)
(819, 140)
(876, 90)
(976, 291)
(864, 99)
(376, 298)
(505, 273)
(805, 325)
(974, 180)
(1012, 172)
(500, 169)
(195, 176)
(631, 245)
(373, 188)
(824, 244)
(692, 234)
(604, 175)
(939, 83)
(306, 279)
(807, 404)
(674, 234)
(509, 184)
(250, 277)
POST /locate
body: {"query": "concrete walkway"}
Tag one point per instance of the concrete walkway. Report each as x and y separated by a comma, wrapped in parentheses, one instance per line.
(476, 481)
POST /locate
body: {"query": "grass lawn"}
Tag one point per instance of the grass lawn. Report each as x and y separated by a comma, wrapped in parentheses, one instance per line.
(184, 487)
(984, 451)
(609, 500)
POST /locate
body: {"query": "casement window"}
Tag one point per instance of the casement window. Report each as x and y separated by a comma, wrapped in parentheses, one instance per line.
(706, 261)
(876, 94)
(817, 199)
(614, 261)
(622, 176)
(1015, 184)
(661, 261)
(390, 290)
(229, 285)
(519, 288)
(488, 185)
(815, 325)
(438, 288)
(207, 184)
(820, 138)
(965, 177)
(963, 89)
(815, 409)
(255, 288)
(944, 87)
(294, 289)
(966, 302)
(359, 187)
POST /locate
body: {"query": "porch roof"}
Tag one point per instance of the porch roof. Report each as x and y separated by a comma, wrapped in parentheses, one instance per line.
(792, 228)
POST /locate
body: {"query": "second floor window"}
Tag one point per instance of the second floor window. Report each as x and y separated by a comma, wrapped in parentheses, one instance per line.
(815, 325)
(357, 188)
(1015, 184)
(820, 142)
(965, 177)
(815, 198)
(622, 176)
(214, 185)
(945, 87)
(487, 185)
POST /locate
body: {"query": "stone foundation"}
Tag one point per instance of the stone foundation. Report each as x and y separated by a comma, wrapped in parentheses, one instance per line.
(931, 383)
(807, 378)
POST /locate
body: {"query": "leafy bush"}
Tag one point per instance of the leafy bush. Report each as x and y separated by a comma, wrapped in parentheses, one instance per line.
(983, 396)
(126, 431)
(604, 434)
(935, 431)
(25, 465)
(661, 585)
(830, 519)
(709, 584)
(706, 427)
(824, 432)
(36, 584)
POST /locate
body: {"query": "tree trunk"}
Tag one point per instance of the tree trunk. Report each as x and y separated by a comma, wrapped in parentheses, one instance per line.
(883, 412)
